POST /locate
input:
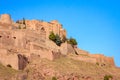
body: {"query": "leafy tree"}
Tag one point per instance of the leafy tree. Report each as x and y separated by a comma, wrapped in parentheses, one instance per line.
(52, 36)
(72, 41)
(58, 40)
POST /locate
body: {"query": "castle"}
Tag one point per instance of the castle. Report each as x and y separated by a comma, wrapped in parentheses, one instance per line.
(24, 39)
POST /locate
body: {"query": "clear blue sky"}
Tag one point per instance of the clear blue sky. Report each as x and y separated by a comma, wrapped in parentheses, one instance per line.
(94, 23)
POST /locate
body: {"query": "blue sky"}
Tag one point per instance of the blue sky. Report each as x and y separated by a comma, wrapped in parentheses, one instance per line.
(94, 23)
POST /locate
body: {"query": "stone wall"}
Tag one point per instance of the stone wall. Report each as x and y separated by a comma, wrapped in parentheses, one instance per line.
(8, 59)
(103, 59)
(48, 27)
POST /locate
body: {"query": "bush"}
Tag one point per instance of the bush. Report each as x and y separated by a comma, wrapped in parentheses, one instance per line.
(58, 40)
(52, 36)
(107, 77)
(54, 78)
(97, 63)
(72, 41)
(55, 38)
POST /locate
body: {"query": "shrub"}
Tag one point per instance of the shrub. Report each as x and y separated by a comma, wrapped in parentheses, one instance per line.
(55, 38)
(72, 41)
(58, 40)
(52, 36)
(107, 77)
(54, 78)
(97, 63)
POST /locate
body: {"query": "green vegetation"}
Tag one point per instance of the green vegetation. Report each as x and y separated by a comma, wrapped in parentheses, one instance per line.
(107, 77)
(54, 78)
(52, 36)
(97, 63)
(58, 40)
(72, 41)
(55, 38)
(7, 72)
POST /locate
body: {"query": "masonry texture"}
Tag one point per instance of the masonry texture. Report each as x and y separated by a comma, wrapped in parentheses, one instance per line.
(22, 39)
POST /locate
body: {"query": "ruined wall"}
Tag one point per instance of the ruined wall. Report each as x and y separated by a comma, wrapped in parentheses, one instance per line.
(8, 59)
(5, 18)
(85, 59)
(54, 26)
(79, 51)
(103, 59)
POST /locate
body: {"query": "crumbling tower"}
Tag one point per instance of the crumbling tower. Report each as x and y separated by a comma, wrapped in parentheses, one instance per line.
(5, 18)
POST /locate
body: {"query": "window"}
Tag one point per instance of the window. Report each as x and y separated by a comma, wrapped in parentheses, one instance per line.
(42, 29)
(14, 37)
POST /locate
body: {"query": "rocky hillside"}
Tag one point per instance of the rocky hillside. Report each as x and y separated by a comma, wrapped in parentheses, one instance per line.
(63, 68)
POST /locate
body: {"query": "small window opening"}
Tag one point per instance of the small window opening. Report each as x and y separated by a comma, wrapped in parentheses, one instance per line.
(9, 66)
(42, 29)
(14, 37)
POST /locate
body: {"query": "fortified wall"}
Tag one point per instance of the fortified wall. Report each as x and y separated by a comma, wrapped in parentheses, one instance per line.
(21, 40)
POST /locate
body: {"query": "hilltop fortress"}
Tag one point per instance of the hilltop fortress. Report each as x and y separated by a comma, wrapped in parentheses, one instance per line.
(22, 40)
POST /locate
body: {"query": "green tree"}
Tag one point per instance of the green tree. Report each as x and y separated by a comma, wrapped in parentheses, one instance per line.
(72, 41)
(52, 36)
(58, 40)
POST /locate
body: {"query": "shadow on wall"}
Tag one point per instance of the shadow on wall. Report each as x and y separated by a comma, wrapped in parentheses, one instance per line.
(22, 61)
